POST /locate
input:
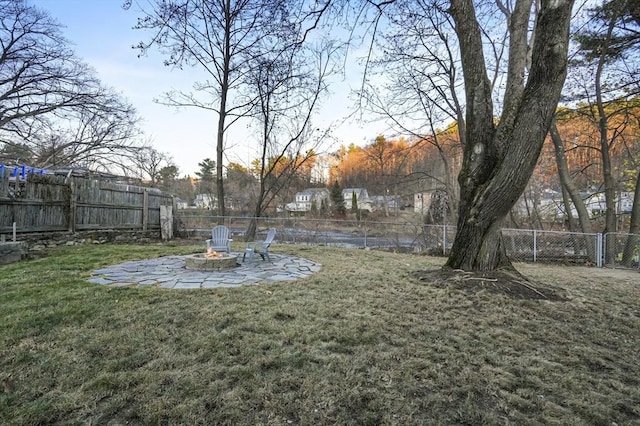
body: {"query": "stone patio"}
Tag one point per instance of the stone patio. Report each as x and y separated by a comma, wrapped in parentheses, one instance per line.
(170, 272)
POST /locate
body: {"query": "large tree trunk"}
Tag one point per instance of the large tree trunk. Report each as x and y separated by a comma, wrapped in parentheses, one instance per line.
(634, 228)
(569, 187)
(499, 160)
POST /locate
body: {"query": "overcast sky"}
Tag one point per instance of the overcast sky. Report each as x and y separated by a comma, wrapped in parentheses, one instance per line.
(101, 32)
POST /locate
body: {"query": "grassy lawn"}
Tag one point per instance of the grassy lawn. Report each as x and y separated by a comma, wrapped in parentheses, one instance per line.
(360, 342)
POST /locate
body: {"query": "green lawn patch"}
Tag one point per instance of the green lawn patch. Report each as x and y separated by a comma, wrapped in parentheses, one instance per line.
(363, 341)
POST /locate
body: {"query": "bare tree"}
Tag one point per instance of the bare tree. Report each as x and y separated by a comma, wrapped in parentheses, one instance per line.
(421, 70)
(53, 109)
(500, 158)
(102, 135)
(221, 39)
(605, 41)
(526, 72)
(154, 165)
(568, 185)
(39, 73)
(289, 84)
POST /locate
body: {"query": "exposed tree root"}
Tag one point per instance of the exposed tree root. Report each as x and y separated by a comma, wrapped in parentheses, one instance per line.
(504, 281)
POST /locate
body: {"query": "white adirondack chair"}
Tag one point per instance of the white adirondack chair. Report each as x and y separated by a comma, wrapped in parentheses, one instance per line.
(220, 240)
(260, 247)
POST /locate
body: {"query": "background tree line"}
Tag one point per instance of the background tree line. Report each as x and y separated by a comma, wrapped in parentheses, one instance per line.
(406, 166)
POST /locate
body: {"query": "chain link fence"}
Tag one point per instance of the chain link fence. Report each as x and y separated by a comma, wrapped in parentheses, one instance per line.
(406, 236)
(622, 250)
(435, 240)
(522, 245)
(530, 245)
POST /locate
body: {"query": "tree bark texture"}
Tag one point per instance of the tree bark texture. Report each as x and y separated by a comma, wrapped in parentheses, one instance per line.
(499, 159)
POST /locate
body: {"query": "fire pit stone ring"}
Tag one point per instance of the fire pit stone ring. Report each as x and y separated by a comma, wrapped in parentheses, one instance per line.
(200, 262)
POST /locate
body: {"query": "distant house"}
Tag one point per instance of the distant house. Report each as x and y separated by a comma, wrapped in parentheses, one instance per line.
(422, 200)
(549, 204)
(391, 202)
(434, 205)
(181, 204)
(204, 201)
(362, 198)
(305, 200)
(595, 203)
(625, 202)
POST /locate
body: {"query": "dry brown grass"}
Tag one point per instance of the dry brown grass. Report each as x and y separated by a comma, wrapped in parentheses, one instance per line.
(360, 342)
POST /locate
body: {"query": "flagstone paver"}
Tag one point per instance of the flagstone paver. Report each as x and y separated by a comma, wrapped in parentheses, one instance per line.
(170, 272)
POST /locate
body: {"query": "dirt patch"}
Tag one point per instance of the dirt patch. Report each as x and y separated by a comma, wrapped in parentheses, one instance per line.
(509, 283)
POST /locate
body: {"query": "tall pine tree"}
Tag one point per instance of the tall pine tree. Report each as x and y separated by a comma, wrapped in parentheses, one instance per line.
(337, 200)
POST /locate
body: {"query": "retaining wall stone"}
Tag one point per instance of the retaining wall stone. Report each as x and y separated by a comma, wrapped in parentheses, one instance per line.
(11, 252)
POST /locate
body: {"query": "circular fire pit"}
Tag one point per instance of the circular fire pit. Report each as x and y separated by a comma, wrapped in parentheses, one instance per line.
(200, 262)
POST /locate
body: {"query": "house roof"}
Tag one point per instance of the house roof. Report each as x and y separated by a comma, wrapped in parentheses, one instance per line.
(312, 191)
(359, 191)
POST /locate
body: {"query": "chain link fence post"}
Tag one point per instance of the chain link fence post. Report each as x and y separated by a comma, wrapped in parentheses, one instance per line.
(599, 245)
(444, 240)
(365, 233)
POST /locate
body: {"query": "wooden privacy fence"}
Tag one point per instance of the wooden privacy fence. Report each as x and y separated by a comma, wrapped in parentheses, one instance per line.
(54, 203)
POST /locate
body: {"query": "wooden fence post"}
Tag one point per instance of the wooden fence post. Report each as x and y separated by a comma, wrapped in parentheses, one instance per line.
(71, 220)
(145, 210)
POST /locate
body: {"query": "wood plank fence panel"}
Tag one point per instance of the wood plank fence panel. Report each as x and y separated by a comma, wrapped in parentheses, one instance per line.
(55, 203)
(107, 204)
(35, 205)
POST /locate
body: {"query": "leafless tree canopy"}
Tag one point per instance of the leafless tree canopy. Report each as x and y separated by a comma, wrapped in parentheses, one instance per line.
(230, 43)
(54, 111)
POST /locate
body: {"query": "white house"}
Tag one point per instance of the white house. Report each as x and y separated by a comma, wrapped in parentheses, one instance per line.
(548, 204)
(204, 201)
(596, 204)
(625, 202)
(181, 204)
(551, 206)
(306, 199)
(362, 198)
